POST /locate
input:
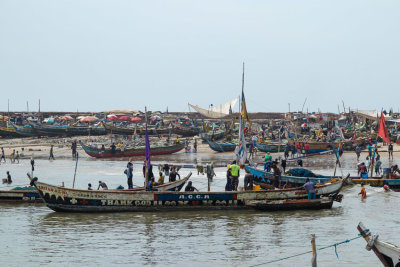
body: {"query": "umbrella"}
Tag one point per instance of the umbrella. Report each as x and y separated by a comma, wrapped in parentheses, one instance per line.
(124, 118)
(112, 117)
(49, 120)
(136, 119)
(155, 118)
(89, 119)
(67, 118)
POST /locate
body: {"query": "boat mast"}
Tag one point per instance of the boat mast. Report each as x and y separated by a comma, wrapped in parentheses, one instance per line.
(146, 167)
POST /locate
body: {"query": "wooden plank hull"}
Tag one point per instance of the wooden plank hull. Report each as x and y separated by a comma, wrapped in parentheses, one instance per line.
(302, 204)
(387, 253)
(141, 151)
(267, 178)
(26, 131)
(9, 132)
(393, 184)
(211, 137)
(131, 131)
(20, 196)
(222, 147)
(272, 148)
(186, 131)
(75, 200)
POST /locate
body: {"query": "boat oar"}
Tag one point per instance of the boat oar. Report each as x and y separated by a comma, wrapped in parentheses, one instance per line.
(76, 166)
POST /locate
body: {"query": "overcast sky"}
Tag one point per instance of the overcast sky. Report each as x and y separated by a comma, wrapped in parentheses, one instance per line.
(124, 54)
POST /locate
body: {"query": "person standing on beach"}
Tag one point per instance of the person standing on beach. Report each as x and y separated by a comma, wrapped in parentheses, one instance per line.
(17, 157)
(51, 153)
(3, 156)
(13, 156)
(390, 150)
(73, 147)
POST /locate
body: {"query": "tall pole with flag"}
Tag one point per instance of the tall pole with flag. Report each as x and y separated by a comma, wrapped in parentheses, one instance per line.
(384, 134)
(242, 152)
(147, 149)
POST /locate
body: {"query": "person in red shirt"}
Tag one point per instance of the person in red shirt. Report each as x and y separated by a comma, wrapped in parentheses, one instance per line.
(306, 148)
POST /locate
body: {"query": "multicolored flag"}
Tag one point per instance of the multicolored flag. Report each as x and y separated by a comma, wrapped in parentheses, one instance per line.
(383, 131)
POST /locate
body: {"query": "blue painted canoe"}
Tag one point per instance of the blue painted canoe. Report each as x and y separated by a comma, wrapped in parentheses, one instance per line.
(268, 177)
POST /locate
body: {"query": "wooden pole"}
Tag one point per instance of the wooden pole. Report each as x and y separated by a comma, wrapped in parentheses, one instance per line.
(314, 252)
(146, 167)
(76, 166)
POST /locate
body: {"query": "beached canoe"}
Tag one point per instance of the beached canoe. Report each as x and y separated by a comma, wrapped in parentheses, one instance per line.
(76, 200)
(209, 136)
(186, 131)
(9, 132)
(222, 146)
(27, 131)
(131, 131)
(269, 147)
(130, 152)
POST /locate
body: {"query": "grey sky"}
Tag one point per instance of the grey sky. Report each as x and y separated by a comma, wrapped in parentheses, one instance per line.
(99, 55)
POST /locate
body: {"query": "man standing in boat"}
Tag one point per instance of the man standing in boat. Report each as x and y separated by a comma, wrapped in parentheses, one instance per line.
(309, 186)
(129, 174)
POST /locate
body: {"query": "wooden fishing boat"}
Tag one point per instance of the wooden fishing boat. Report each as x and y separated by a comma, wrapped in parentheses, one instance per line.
(28, 131)
(51, 130)
(209, 136)
(131, 131)
(86, 130)
(222, 146)
(387, 253)
(76, 200)
(20, 195)
(269, 147)
(394, 184)
(316, 147)
(264, 177)
(186, 131)
(298, 204)
(130, 152)
(9, 132)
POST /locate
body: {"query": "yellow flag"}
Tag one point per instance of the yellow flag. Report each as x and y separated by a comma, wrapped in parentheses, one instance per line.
(244, 110)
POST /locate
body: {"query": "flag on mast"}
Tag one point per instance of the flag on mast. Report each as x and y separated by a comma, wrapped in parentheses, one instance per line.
(383, 131)
(244, 109)
(147, 144)
(241, 154)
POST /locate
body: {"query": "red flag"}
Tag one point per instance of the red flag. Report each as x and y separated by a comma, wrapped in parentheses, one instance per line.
(383, 131)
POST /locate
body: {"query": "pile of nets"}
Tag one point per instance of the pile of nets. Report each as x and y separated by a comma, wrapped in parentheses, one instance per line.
(300, 172)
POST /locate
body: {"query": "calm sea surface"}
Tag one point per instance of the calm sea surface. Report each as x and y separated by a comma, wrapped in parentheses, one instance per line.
(33, 235)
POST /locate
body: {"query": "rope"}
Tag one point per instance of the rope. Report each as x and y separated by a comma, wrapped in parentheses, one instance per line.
(310, 251)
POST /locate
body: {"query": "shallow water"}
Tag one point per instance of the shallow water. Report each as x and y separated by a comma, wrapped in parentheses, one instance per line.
(34, 235)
